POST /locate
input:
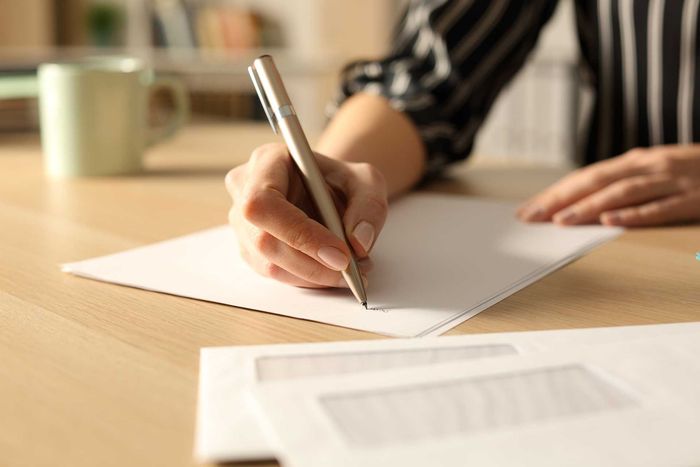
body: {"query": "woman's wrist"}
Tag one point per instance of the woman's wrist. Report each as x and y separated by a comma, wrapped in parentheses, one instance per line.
(367, 129)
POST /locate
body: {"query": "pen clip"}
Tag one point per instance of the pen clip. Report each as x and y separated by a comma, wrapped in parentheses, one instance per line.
(263, 98)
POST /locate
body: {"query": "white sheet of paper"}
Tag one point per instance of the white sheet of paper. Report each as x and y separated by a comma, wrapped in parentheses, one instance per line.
(439, 261)
(228, 430)
(632, 403)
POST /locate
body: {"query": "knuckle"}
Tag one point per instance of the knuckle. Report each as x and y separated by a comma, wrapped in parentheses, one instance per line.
(588, 206)
(378, 203)
(650, 210)
(374, 175)
(685, 184)
(664, 163)
(270, 270)
(253, 205)
(365, 167)
(626, 189)
(636, 153)
(257, 153)
(316, 275)
(264, 243)
(552, 199)
(267, 150)
(301, 237)
(597, 178)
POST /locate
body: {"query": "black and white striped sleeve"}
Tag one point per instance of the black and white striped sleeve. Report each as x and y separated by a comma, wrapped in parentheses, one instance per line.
(449, 61)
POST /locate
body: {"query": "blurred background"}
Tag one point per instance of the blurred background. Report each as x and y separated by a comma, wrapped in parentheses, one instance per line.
(209, 43)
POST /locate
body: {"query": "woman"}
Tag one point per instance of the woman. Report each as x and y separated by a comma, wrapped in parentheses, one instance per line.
(406, 117)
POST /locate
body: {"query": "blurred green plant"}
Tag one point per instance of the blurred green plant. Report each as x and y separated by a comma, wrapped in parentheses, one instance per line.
(104, 22)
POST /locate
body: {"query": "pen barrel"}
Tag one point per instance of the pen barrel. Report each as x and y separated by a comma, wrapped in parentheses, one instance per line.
(275, 95)
(313, 179)
(268, 84)
(353, 278)
(303, 156)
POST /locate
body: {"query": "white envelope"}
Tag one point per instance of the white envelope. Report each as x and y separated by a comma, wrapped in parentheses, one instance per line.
(228, 430)
(634, 403)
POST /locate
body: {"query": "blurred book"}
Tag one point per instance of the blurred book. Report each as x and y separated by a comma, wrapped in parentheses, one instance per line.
(172, 22)
(240, 28)
(211, 27)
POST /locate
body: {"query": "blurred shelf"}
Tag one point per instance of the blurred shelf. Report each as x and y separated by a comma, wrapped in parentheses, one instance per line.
(195, 61)
(205, 71)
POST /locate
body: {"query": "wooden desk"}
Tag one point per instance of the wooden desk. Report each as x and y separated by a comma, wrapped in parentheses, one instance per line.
(97, 374)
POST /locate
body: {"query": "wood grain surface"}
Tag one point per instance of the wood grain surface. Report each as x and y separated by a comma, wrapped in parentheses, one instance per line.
(98, 374)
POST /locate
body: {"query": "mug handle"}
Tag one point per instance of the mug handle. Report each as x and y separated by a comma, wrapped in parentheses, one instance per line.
(18, 86)
(180, 113)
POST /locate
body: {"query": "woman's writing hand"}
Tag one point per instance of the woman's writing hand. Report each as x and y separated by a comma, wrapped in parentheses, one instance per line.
(275, 223)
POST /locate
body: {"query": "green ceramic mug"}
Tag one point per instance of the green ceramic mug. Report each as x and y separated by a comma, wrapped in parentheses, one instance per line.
(94, 115)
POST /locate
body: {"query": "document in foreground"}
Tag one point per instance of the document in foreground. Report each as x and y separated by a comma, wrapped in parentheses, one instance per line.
(439, 261)
(228, 430)
(632, 403)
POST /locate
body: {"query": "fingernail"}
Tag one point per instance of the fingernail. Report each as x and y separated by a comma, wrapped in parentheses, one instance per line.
(364, 233)
(532, 214)
(333, 257)
(567, 216)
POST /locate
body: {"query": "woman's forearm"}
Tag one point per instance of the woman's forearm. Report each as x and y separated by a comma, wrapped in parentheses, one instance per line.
(367, 129)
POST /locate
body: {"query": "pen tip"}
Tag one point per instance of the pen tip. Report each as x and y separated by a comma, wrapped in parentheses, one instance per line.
(364, 304)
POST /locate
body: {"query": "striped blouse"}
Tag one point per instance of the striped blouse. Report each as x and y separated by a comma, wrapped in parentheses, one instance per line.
(451, 58)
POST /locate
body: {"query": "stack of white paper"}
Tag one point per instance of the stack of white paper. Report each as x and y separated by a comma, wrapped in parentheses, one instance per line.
(439, 261)
(449, 399)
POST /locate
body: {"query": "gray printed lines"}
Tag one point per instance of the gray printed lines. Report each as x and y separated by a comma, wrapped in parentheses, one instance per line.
(472, 405)
(287, 367)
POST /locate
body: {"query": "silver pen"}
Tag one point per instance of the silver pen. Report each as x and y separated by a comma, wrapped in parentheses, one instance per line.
(283, 119)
